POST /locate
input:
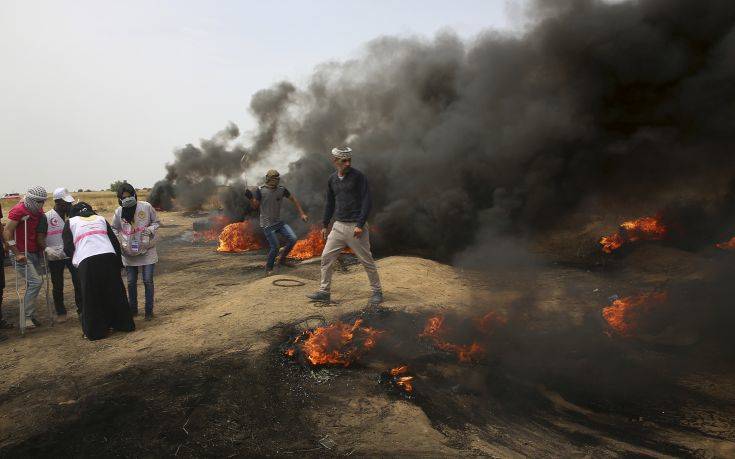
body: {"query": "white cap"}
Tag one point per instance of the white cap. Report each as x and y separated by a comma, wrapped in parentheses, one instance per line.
(63, 193)
(342, 152)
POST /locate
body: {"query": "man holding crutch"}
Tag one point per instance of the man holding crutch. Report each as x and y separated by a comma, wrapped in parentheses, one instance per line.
(25, 234)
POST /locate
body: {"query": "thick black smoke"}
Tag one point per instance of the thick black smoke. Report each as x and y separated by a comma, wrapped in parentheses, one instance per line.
(193, 177)
(235, 204)
(162, 195)
(460, 139)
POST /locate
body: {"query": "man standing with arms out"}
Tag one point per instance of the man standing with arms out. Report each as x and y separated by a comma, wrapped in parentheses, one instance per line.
(27, 218)
(57, 259)
(349, 201)
(269, 198)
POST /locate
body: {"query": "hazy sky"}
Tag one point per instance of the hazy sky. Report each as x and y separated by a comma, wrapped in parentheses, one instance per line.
(94, 91)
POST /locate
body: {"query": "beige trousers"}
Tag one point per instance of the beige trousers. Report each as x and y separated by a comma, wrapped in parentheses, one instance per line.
(341, 236)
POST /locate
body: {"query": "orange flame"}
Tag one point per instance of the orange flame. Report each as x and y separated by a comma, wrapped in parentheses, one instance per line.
(642, 229)
(433, 327)
(625, 314)
(729, 245)
(238, 237)
(401, 380)
(217, 222)
(612, 242)
(435, 330)
(336, 344)
(309, 247)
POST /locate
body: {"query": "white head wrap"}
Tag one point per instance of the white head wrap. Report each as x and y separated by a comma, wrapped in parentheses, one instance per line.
(342, 152)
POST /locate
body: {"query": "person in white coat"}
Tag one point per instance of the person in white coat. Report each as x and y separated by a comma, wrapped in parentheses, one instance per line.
(57, 259)
(135, 223)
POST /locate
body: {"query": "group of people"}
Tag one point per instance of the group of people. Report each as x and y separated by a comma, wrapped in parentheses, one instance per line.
(348, 201)
(72, 237)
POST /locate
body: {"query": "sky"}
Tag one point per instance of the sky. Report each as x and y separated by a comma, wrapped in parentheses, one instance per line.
(97, 91)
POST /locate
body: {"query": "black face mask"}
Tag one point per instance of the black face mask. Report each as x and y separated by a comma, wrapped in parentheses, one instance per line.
(62, 208)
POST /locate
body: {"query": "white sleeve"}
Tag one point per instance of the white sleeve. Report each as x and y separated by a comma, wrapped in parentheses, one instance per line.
(153, 218)
(116, 223)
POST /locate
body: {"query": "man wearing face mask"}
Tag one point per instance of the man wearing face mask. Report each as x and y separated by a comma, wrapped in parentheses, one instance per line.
(135, 224)
(26, 233)
(269, 198)
(57, 259)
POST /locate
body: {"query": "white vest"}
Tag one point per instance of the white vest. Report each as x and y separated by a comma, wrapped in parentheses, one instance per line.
(90, 237)
(55, 228)
(145, 217)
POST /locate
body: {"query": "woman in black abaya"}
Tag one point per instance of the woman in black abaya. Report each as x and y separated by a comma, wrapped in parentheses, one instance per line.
(95, 251)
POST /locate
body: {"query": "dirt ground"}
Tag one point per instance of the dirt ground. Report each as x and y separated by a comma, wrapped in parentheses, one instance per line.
(207, 376)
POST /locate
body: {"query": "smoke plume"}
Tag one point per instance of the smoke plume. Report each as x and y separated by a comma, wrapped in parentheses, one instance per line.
(193, 176)
(461, 139)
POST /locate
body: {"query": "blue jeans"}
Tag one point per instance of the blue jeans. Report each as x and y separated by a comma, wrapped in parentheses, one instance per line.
(271, 233)
(35, 281)
(133, 286)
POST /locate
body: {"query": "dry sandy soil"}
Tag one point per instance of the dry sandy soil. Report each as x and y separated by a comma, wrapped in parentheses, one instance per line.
(207, 377)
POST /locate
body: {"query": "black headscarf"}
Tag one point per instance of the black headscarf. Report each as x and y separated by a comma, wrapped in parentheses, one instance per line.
(81, 209)
(128, 213)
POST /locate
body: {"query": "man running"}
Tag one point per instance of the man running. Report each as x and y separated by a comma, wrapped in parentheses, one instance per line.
(349, 202)
(57, 259)
(269, 198)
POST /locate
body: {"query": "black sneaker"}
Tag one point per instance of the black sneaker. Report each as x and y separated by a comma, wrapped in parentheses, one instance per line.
(148, 316)
(320, 296)
(36, 322)
(376, 297)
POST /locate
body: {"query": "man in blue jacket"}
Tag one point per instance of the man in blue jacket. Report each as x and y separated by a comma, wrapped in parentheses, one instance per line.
(349, 202)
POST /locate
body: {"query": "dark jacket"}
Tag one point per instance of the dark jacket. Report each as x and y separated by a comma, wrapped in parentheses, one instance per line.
(348, 199)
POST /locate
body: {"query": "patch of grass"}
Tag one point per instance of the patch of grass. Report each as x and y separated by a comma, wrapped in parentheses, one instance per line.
(101, 201)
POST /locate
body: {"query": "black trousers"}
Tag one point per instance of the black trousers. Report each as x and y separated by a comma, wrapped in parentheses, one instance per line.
(56, 268)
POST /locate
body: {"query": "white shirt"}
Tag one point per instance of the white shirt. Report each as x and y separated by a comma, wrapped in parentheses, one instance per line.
(90, 237)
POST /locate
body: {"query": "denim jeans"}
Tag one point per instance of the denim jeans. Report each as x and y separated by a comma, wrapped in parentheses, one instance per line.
(132, 272)
(34, 279)
(271, 233)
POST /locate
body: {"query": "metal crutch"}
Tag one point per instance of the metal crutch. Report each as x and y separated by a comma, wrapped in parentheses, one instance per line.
(21, 306)
(22, 303)
(46, 280)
